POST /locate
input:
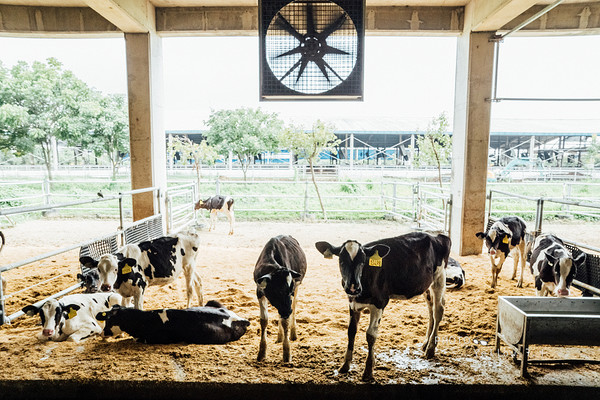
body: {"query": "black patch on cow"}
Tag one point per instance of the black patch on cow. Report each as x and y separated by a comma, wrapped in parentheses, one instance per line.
(148, 272)
(161, 253)
(194, 248)
(182, 252)
(106, 304)
(95, 301)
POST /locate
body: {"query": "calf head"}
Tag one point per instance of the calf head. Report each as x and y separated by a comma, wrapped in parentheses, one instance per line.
(201, 204)
(235, 325)
(107, 269)
(91, 281)
(496, 240)
(111, 320)
(564, 270)
(279, 288)
(352, 258)
(53, 315)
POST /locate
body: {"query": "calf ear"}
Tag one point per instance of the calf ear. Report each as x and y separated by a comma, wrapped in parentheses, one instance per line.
(71, 310)
(125, 265)
(551, 259)
(263, 281)
(294, 274)
(30, 310)
(580, 259)
(88, 262)
(327, 250)
(480, 235)
(381, 249)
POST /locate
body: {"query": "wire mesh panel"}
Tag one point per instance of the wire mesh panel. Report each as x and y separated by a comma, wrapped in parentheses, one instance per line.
(96, 249)
(311, 49)
(147, 230)
(589, 273)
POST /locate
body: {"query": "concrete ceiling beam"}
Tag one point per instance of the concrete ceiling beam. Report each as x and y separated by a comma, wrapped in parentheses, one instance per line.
(491, 15)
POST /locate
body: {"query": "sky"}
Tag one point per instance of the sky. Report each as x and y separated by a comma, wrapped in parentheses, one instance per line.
(405, 77)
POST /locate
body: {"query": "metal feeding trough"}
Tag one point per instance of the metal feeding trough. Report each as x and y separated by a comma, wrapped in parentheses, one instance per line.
(523, 321)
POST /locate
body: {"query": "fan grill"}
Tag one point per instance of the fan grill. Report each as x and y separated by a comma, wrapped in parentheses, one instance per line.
(312, 48)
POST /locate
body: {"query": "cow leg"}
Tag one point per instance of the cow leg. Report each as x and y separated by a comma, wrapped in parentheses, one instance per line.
(285, 323)
(496, 268)
(192, 281)
(372, 333)
(264, 321)
(293, 334)
(213, 220)
(138, 299)
(279, 332)
(198, 287)
(521, 261)
(352, 327)
(231, 219)
(437, 290)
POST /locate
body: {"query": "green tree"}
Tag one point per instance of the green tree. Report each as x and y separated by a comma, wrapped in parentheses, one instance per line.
(309, 145)
(53, 99)
(196, 153)
(435, 146)
(106, 124)
(592, 156)
(245, 132)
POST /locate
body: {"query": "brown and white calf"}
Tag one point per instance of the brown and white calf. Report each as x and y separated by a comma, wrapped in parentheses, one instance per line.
(401, 267)
(506, 237)
(154, 262)
(553, 267)
(73, 317)
(278, 273)
(216, 204)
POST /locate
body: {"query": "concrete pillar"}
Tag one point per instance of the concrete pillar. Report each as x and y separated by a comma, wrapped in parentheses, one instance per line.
(471, 134)
(146, 131)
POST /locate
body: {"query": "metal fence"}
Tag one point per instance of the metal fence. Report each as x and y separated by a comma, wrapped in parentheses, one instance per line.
(588, 277)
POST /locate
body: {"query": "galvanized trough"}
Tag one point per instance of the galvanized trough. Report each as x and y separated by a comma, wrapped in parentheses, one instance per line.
(524, 321)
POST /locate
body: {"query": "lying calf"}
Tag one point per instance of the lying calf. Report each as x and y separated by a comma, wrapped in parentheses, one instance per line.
(455, 275)
(73, 317)
(211, 324)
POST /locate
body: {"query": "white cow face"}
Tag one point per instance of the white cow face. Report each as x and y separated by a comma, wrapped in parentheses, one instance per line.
(107, 267)
(53, 315)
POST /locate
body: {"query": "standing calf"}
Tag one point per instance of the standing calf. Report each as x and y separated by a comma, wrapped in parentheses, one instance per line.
(216, 204)
(154, 262)
(396, 268)
(553, 267)
(278, 272)
(506, 236)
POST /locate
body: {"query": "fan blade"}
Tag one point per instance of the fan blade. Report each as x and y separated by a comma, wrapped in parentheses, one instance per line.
(334, 26)
(304, 64)
(332, 50)
(310, 20)
(321, 64)
(290, 70)
(289, 53)
(332, 70)
(285, 25)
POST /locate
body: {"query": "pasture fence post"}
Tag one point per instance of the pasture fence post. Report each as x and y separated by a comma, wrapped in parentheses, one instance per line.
(539, 215)
(394, 199)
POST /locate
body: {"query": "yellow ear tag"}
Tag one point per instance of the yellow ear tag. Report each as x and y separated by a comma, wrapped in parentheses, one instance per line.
(505, 240)
(126, 269)
(72, 313)
(375, 260)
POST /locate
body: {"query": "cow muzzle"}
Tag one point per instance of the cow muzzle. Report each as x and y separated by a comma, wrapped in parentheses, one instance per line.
(493, 252)
(48, 332)
(562, 292)
(106, 288)
(353, 291)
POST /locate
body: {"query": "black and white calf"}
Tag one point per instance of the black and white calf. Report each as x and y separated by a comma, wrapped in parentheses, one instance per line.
(216, 204)
(278, 273)
(73, 317)
(395, 268)
(212, 324)
(455, 275)
(154, 262)
(90, 280)
(505, 237)
(553, 267)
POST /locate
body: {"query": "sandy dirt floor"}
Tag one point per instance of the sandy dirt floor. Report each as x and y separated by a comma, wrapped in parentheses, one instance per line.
(464, 356)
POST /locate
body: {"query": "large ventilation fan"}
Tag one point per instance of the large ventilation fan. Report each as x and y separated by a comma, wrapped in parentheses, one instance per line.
(311, 49)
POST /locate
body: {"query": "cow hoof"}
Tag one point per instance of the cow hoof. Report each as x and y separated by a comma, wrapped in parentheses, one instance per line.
(293, 335)
(520, 284)
(429, 353)
(345, 368)
(367, 377)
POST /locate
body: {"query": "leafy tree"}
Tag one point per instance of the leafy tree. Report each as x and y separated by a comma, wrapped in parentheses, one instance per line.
(592, 157)
(107, 127)
(435, 146)
(243, 131)
(53, 99)
(309, 145)
(196, 153)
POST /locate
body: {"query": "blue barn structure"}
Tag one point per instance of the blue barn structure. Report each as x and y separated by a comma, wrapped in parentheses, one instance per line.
(389, 141)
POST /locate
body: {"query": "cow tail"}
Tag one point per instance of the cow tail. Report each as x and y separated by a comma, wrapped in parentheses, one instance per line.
(230, 204)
